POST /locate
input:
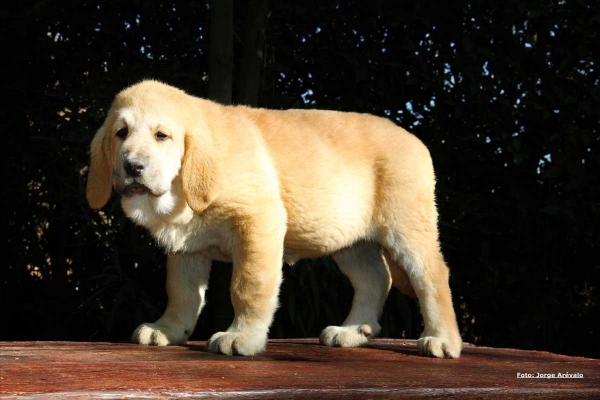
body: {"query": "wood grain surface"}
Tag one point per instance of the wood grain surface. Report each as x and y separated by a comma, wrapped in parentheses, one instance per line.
(296, 368)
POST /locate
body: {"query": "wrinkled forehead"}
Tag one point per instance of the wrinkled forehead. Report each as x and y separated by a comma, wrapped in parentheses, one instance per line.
(140, 117)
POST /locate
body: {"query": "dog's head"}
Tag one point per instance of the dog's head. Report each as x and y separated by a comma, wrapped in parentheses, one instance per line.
(152, 135)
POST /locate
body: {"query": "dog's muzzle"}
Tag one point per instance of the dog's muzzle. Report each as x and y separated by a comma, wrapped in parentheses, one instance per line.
(130, 184)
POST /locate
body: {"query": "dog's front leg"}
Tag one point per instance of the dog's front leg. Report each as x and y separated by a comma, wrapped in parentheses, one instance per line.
(257, 272)
(187, 281)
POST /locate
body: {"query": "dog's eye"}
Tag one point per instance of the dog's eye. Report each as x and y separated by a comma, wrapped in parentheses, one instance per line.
(161, 136)
(122, 133)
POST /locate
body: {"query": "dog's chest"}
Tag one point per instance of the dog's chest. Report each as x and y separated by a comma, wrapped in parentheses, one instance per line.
(197, 236)
(178, 230)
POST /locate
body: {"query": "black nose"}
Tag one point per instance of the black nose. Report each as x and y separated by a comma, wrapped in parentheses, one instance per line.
(134, 167)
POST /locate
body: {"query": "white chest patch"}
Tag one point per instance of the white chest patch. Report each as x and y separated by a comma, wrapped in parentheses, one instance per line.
(175, 226)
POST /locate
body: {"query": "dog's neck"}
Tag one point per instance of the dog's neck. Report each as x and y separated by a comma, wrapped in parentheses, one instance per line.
(160, 214)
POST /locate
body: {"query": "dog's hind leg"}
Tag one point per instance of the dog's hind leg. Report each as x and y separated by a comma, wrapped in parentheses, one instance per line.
(406, 220)
(415, 250)
(364, 265)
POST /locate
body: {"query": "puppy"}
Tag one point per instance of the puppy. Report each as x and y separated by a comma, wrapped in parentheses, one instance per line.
(261, 187)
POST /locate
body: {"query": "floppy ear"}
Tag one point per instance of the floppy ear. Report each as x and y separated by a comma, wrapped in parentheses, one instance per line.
(99, 184)
(200, 173)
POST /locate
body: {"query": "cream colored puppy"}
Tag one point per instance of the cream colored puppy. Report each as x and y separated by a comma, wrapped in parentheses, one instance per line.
(259, 187)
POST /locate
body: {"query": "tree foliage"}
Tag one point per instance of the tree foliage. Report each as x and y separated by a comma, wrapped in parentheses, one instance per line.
(505, 95)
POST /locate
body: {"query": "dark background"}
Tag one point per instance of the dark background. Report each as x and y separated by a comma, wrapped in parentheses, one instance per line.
(504, 94)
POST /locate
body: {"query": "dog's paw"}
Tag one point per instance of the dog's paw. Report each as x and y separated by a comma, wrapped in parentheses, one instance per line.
(233, 343)
(349, 336)
(158, 335)
(440, 347)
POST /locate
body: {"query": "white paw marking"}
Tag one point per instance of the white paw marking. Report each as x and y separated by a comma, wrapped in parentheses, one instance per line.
(433, 346)
(236, 343)
(349, 336)
(157, 335)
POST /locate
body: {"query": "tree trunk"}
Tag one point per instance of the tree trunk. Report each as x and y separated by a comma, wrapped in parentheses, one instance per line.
(249, 79)
(220, 69)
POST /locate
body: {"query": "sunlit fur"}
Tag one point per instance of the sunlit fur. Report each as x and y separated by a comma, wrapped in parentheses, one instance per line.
(258, 187)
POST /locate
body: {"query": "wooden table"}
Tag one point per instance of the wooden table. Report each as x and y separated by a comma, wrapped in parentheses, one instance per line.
(298, 368)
